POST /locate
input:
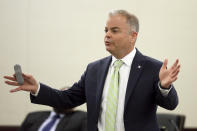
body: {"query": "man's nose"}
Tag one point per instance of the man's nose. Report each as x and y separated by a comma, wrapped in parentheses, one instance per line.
(108, 34)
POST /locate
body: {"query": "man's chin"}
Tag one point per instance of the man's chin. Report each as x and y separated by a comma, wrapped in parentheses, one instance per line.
(109, 50)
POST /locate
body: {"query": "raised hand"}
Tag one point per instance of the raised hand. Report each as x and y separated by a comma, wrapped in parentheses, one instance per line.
(30, 84)
(168, 76)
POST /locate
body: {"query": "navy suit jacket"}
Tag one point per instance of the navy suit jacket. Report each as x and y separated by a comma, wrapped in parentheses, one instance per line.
(72, 121)
(141, 100)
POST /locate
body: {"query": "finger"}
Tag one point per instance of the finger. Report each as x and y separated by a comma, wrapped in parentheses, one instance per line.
(175, 69)
(10, 78)
(175, 74)
(174, 79)
(14, 75)
(12, 83)
(164, 66)
(175, 63)
(15, 90)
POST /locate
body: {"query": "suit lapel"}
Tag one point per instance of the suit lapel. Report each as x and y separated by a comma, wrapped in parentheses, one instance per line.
(40, 119)
(63, 123)
(103, 69)
(136, 69)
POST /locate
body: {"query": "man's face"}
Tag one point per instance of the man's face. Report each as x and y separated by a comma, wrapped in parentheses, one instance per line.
(118, 39)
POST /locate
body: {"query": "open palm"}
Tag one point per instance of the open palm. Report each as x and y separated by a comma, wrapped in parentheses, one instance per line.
(168, 76)
(30, 83)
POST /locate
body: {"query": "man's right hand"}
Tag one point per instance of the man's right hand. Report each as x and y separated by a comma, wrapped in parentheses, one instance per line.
(30, 84)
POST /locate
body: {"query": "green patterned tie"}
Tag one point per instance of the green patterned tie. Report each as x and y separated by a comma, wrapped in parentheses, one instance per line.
(112, 98)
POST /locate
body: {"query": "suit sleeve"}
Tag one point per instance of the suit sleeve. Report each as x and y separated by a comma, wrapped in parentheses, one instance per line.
(61, 99)
(170, 101)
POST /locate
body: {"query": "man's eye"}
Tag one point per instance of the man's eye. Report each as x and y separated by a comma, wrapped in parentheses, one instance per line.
(105, 30)
(114, 31)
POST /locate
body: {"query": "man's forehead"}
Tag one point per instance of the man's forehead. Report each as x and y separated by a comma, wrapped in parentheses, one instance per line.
(116, 21)
(117, 18)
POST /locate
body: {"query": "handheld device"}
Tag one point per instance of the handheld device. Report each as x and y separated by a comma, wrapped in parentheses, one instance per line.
(18, 72)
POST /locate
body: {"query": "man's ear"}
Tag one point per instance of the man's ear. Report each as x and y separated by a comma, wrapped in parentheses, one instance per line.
(133, 36)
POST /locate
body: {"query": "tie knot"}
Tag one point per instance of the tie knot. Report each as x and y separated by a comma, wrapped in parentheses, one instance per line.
(118, 64)
(56, 116)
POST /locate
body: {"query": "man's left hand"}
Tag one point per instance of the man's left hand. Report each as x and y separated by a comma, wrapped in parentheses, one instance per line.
(168, 76)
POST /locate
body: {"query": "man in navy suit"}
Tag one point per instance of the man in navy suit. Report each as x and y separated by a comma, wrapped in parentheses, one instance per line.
(69, 120)
(144, 83)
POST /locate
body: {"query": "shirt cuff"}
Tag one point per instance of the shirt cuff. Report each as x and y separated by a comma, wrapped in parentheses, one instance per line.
(163, 91)
(36, 94)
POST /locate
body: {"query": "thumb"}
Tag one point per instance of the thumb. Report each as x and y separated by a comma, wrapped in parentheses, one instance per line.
(164, 66)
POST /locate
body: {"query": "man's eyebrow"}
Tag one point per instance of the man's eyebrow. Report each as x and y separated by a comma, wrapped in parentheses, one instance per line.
(113, 28)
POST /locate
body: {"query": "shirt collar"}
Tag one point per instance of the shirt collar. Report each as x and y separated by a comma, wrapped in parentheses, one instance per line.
(54, 113)
(127, 59)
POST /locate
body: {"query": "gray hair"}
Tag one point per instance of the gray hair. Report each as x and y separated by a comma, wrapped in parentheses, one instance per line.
(132, 20)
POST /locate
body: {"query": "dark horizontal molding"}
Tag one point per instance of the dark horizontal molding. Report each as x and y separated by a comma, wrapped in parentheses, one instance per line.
(9, 128)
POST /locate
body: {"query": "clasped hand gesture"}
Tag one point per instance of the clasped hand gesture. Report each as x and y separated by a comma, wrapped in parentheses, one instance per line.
(30, 84)
(168, 76)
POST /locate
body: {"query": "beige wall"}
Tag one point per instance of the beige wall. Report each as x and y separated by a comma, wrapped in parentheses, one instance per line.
(54, 40)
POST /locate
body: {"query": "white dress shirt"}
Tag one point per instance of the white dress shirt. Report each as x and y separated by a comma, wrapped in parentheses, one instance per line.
(49, 119)
(124, 76)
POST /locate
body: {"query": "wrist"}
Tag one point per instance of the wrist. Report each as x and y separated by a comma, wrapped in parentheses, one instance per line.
(35, 89)
(164, 86)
